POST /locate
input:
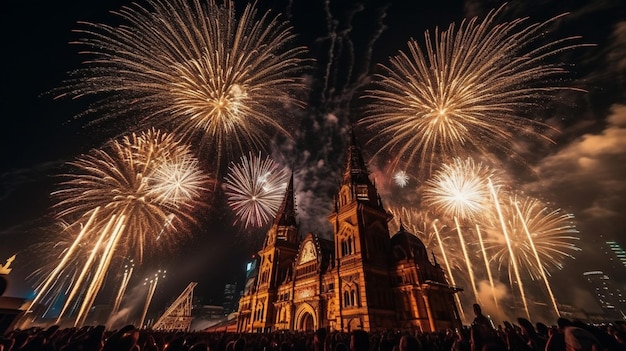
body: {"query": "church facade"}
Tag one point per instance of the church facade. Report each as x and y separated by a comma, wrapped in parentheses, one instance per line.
(364, 278)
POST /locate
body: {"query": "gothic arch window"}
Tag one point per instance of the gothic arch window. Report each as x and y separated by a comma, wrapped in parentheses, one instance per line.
(351, 295)
(350, 246)
(258, 315)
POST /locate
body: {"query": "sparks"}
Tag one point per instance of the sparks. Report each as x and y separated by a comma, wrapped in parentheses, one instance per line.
(468, 91)
(255, 189)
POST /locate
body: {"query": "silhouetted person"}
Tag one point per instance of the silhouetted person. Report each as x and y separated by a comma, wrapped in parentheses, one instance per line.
(530, 336)
(409, 343)
(479, 318)
(542, 329)
(319, 339)
(124, 339)
(481, 331)
(240, 345)
(579, 339)
(199, 347)
(359, 341)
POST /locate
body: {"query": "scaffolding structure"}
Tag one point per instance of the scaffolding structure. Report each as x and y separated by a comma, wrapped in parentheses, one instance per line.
(178, 316)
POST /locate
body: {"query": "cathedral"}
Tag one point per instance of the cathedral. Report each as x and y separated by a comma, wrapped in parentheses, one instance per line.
(364, 278)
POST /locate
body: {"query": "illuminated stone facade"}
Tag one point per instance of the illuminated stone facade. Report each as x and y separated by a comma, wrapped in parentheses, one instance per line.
(363, 279)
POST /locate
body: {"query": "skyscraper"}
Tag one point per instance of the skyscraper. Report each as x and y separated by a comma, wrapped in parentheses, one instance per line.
(231, 297)
(608, 294)
(616, 254)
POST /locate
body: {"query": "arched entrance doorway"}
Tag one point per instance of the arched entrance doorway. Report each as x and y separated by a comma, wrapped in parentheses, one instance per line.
(305, 318)
(306, 323)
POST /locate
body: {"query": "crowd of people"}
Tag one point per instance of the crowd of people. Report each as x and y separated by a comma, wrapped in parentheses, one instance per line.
(481, 335)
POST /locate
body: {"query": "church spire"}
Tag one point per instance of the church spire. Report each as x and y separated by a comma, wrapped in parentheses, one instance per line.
(284, 229)
(286, 215)
(356, 185)
(355, 170)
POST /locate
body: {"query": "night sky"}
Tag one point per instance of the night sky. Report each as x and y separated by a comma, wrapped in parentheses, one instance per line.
(583, 173)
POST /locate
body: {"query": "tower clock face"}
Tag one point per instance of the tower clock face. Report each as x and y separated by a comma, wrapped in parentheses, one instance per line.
(308, 252)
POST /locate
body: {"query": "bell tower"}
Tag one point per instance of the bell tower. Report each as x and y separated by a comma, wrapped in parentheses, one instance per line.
(275, 261)
(362, 247)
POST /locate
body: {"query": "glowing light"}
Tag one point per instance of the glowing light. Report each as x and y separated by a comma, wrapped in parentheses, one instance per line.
(401, 178)
(469, 90)
(114, 205)
(513, 267)
(553, 235)
(255, 189)
(459, 189)
(178, 181)
(128, 273)
(152, 285)
(194, 67)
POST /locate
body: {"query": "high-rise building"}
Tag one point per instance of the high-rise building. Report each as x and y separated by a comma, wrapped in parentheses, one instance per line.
(616, 254)
(609, 295)
(362, 279)
(230, 298)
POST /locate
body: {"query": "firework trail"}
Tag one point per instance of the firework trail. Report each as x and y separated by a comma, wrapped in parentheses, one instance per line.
(347, 66)
(536, 254)
(255, 189)
(481, 242)
(459, 190)
(553, 235)
(152, 285)
(119, 201)
(128, 273)
(195, 68)
(59, 243)
(509, 246)
(467, 91)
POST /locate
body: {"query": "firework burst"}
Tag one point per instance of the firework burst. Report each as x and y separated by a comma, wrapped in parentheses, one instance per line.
(117, 201)
(401, 178)
(194, 67)
(459, 189)
(255, 188)
(130, 178)
(540, 237)
(467, 91)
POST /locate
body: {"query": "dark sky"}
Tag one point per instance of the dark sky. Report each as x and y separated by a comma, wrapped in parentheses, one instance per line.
(583, 173)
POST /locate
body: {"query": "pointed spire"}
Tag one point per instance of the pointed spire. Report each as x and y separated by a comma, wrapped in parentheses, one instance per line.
(434, 257)
(286, 215)
(355, 170)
